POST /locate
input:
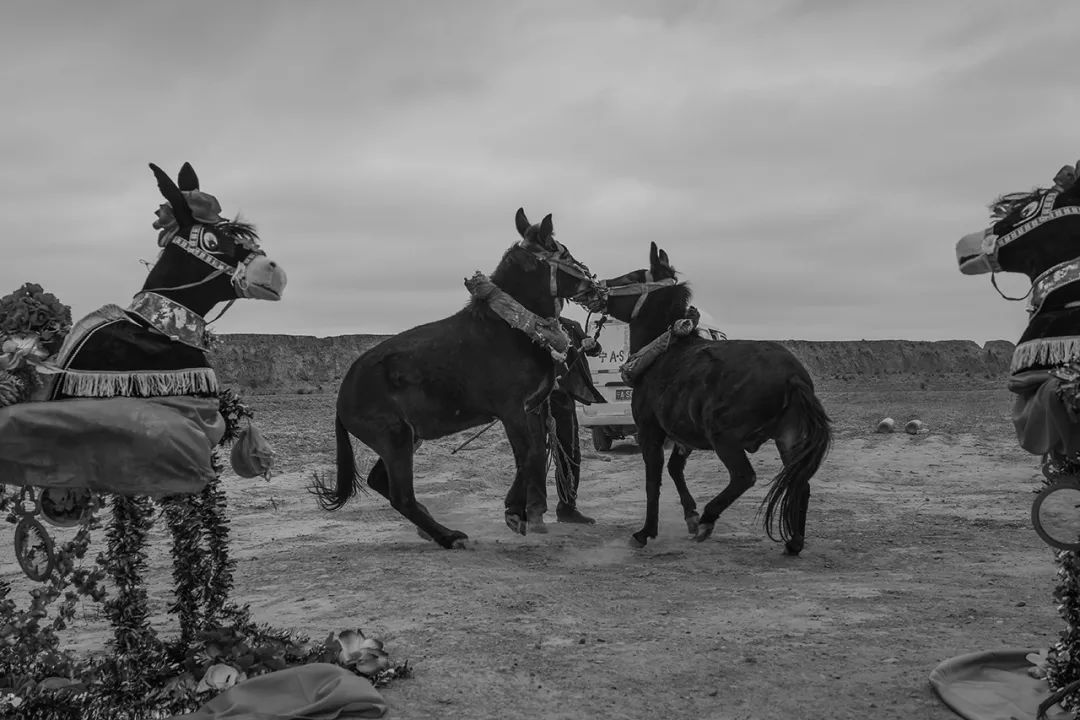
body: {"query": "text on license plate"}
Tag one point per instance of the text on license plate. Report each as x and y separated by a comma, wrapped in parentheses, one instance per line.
(623, 393)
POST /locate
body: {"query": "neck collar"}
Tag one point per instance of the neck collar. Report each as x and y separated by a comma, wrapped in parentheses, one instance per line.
(178, 322)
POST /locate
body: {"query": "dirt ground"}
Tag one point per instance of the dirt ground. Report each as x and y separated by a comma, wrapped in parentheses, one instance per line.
(918, 549)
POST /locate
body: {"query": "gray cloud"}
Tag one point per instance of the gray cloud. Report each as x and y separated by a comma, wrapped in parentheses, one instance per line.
(808, 164)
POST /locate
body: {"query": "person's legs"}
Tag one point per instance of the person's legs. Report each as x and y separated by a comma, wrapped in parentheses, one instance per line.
(568, 459)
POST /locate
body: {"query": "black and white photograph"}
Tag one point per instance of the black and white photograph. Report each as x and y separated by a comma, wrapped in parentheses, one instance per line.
(514, 360)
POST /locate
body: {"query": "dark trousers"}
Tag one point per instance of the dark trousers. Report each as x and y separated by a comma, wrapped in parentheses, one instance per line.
(568, 457)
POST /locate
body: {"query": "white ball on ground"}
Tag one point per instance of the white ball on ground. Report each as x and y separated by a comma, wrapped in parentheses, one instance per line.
(914, 427)
(886, 426)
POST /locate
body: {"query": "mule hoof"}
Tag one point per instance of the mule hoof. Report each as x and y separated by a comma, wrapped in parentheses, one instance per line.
(516, 523)
(692, 523)
(794, 546)
(638, 542)
(537, 527)
(704, 530)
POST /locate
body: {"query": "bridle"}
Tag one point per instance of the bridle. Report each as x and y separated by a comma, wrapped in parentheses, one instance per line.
(1037, 213)
(641, 289)
(200, 236)
(560, 259)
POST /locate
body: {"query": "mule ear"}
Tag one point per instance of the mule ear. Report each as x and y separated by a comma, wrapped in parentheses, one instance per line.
(654, 256)
(664, 259)
(522, 222)
(546, 229)
(187, 179)
(175, 198)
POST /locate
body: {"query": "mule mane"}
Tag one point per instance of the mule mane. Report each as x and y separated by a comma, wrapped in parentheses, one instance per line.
(678, 298)
(240, 232)
(1005, 205)
(521, 257)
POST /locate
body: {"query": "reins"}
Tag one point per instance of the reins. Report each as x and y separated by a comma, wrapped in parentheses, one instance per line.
(993, 281)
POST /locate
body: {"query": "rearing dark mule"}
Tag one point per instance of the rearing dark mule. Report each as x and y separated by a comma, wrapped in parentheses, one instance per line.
(457, 373)
(726, 395)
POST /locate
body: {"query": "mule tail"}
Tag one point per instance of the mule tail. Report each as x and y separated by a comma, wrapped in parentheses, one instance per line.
(790, 488)
(348, 479)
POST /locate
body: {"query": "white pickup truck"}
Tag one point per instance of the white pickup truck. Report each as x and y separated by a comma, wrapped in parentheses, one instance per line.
(614, 420)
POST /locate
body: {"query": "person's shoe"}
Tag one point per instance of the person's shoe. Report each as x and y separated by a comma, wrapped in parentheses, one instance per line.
(567, 514)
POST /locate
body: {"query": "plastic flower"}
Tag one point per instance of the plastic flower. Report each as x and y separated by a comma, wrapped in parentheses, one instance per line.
(219, 677)
(363, 654)
(21, 349)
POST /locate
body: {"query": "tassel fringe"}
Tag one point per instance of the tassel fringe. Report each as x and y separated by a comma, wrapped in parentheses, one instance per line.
(1045, 351)
(196, 381)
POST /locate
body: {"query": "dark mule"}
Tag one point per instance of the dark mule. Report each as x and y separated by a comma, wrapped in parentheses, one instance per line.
(457, 373)
(156, 346)
(1035, 233)
(726, 395)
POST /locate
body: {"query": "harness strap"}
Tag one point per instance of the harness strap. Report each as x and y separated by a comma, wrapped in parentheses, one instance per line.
(641, 289)
(1052, 279)
(992, 243)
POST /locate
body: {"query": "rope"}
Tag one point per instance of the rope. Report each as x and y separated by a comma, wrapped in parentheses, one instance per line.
(563, 485)
(454, 451)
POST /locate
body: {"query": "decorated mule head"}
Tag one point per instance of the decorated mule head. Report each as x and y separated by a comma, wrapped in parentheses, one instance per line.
(205, 258)
(542, 272)
(1034, 233)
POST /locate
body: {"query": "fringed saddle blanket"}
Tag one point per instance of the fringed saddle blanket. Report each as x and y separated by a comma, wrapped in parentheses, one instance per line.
(546, 332)
(114, 352)
(641, 360)
(1045, 351)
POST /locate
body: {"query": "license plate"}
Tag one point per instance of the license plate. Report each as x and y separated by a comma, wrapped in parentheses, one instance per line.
(623, 393)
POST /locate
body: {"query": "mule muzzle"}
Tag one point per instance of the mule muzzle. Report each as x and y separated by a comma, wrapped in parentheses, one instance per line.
(976, 254)
(263, 279)
(593, 299)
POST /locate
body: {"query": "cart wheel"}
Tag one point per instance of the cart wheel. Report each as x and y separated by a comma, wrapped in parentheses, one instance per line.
(600, 439)
(34, 549)
(1055, 514)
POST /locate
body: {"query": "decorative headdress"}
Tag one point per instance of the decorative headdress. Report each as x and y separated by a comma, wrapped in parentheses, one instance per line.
(204, 207)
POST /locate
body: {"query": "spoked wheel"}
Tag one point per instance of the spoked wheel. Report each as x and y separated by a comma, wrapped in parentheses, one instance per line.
(1055, 514)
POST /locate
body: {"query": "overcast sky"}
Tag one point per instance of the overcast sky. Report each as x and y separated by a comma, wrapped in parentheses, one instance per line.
(808, 165)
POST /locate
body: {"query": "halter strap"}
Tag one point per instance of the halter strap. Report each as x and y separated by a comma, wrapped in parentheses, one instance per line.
(192, 245)
(1046, 212)
(641, 289)
(556, 261)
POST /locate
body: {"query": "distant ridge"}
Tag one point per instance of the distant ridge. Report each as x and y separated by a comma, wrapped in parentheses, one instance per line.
(280, 364)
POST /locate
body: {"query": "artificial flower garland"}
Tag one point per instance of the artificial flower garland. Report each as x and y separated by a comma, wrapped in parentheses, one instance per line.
(144, 677)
